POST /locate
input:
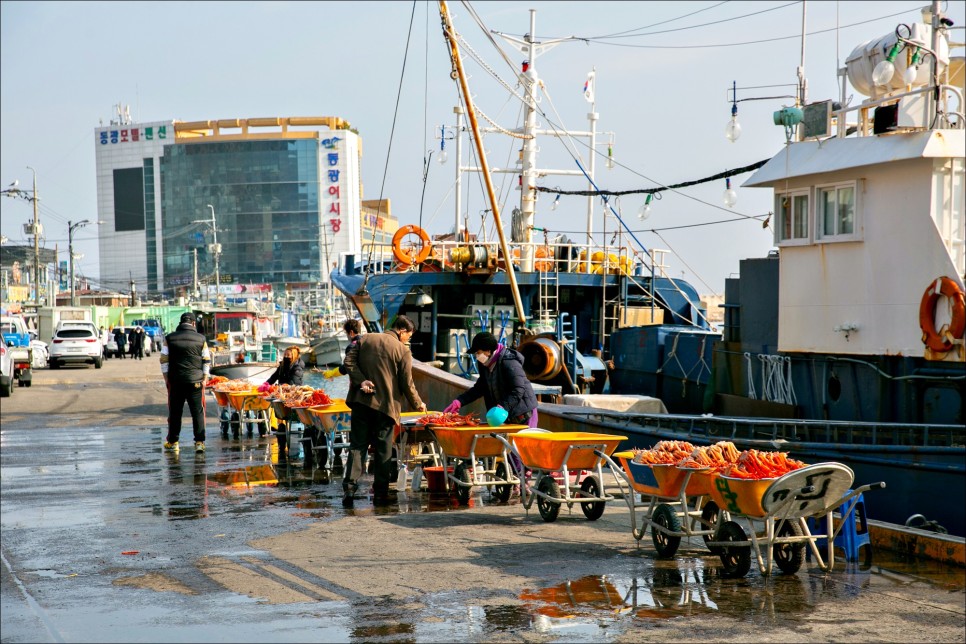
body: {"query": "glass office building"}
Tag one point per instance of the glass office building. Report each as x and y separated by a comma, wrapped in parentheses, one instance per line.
(265, 199)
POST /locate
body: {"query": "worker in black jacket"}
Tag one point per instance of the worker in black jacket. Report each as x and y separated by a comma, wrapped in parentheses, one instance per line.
(502, 382)
(185, 364)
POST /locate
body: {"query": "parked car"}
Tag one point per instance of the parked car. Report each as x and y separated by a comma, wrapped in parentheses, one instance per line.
(154, 329)
(110, 351)
(6, 372)
(74, 344)
(77, 324)
(16, 337)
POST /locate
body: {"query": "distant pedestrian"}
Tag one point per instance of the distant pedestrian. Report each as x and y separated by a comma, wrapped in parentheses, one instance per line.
(120, 338)
(137, 343)
(185, 363)
(104, 336)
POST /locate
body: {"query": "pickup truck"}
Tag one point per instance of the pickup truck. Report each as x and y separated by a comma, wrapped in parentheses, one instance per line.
(16, 337)
(154, 330)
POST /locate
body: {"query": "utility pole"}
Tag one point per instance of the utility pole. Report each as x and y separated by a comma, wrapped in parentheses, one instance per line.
(35, 198)
(194, 281)
(134, 288)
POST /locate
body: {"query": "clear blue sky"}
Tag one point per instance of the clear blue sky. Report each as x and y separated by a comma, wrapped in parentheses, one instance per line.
(63, 65)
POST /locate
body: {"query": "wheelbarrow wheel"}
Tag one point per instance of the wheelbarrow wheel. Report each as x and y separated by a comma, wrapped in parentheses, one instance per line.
(789, 556)
(591, 488)
(548, 509)
(709, 519)
(462, 474)
(665, 544)
(501, 492)
(735, 560)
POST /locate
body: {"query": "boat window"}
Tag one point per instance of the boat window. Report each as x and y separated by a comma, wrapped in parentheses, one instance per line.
(792, 209)
(837, 212)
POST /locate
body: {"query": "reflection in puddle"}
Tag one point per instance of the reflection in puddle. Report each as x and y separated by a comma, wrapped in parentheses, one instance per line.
(245, 476)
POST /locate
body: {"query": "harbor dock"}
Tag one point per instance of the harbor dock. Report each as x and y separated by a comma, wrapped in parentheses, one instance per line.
(105, 537)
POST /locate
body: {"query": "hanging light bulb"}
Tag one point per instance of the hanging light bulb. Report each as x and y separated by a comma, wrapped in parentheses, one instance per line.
(610, 157)
(645, 210)
(912, 70)
(730, 196)
(442, 152)
(885, 70)
(732, 129)
(553, 206)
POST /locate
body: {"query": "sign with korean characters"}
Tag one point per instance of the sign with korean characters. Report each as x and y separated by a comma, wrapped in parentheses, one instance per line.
(133, 134)
(332, 202)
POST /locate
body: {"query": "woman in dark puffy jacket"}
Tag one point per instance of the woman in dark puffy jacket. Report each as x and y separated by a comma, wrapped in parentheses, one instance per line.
(502, 382)
(291, 370)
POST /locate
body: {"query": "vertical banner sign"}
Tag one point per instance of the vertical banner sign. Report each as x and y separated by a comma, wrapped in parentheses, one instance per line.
(333, 188)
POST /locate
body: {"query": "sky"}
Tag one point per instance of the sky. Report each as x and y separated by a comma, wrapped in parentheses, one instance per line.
(663, 75)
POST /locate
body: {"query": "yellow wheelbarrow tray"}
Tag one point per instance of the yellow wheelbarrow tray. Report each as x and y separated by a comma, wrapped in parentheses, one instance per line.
(472, 446)
(558, 464)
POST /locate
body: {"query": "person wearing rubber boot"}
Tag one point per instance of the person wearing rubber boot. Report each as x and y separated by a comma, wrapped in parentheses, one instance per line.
(380, 378)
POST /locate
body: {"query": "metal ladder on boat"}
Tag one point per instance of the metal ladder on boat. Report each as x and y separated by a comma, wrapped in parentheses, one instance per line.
(567, 335)
(549, 293)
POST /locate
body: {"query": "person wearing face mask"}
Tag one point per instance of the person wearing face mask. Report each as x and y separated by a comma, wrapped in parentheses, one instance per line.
(502, 382)
(290, 371)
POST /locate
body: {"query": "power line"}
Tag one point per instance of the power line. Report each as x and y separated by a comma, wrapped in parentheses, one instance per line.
(751, 42)
(650, 191)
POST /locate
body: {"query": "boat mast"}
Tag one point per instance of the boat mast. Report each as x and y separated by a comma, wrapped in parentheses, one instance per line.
(450, 34)
(528, 193)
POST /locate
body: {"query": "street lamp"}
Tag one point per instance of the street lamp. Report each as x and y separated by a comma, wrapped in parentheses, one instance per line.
(71, 227)
(215, 246)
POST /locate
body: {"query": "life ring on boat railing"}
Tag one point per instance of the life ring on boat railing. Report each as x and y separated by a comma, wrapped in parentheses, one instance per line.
(942, 339)
(404, 257)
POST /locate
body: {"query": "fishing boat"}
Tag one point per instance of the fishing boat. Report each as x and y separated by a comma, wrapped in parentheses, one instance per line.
(845, 343)
(254, 372)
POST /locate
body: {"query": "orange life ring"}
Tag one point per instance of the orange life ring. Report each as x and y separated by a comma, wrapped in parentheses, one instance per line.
(407, 258)
(938, 340)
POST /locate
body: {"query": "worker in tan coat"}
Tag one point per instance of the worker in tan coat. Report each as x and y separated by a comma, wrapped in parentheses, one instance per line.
(380, 379)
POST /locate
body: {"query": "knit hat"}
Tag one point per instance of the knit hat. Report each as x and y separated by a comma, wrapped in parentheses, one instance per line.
(483, 342)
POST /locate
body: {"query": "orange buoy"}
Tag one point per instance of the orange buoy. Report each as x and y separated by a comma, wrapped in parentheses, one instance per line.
(941, 339)
(404, 257)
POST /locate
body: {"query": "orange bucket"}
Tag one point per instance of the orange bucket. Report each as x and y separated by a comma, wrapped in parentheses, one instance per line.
(435, 479)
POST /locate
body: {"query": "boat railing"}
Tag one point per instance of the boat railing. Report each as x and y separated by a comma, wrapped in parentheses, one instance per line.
(864, 124)
(546, 257)
(789, 430)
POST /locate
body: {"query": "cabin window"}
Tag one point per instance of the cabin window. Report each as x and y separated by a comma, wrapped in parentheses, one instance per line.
(792, 224)
(837, 212)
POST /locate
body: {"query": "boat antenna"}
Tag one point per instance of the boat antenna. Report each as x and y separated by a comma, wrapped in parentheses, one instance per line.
(385, 171)
(458, 73)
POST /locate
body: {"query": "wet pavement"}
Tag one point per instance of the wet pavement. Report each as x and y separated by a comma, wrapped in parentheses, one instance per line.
(105, 537)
